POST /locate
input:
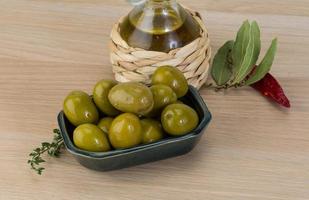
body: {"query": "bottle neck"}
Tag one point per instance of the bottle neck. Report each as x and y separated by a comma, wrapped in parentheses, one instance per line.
(157, 16)
(160, 3)
(152, 2)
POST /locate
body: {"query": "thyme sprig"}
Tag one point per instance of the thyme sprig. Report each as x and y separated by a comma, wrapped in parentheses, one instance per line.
(53, 149)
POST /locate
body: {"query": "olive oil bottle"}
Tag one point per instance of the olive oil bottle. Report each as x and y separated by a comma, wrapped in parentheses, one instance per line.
(159, 25)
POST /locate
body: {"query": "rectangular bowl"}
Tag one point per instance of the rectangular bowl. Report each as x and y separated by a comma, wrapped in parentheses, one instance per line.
(165, 148)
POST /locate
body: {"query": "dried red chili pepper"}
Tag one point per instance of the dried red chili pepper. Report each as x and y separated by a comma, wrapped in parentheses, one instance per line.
(271, 88)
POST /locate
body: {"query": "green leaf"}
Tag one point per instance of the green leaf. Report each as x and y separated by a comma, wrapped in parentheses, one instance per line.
(221, 71)
(32, 154)
(255, 31)
(250, 55)
(56, 131)
(40, 160)
(45, 144)
(40, 170)
(240, 45)
(265, 65)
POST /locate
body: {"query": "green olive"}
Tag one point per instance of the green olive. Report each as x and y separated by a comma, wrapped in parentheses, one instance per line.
(125, 131)
(79, 108)
(171, 77)
(162, 96)
(100, 97)
(89, 137)
(179, 119)
(152, 130)
(105, 123)
(132, 98)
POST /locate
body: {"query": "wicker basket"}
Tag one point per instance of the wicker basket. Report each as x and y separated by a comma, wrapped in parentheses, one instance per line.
(136, 64)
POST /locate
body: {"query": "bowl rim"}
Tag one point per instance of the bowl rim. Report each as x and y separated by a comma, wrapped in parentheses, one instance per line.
(119, 152)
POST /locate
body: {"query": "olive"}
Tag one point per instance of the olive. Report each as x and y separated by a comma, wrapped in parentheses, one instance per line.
(152, 130)
(179, 119)
(105, 123)
(162, 96)
(171, 77)
(79, 108)
(100, 97)
(132, 98)
(89, 137)
(125, 131)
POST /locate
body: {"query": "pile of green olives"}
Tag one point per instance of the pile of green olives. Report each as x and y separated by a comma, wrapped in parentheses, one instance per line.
(134, 113)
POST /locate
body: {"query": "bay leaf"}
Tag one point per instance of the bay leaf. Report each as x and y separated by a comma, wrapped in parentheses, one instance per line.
(240, 45)
(255, 31)
(221, 68)
(264, 67)
(251, 54)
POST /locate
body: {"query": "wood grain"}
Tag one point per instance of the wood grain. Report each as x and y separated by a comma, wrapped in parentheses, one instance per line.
(252, 149)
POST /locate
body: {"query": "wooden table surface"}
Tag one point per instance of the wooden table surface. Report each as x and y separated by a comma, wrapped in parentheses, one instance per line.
(252, 149)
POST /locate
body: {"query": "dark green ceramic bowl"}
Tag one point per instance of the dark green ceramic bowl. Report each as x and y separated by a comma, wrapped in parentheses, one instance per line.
(165, 148)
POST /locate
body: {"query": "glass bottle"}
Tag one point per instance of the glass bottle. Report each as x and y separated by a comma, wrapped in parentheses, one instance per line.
(159, 25)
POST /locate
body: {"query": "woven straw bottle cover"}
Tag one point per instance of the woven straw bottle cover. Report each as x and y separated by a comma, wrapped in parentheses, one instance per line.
(136, 64)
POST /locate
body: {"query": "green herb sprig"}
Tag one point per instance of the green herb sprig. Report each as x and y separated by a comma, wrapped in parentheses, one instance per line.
(53, 149)
(234, 65)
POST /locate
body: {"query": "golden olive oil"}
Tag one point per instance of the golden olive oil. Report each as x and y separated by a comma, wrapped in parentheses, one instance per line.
(159, 26)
